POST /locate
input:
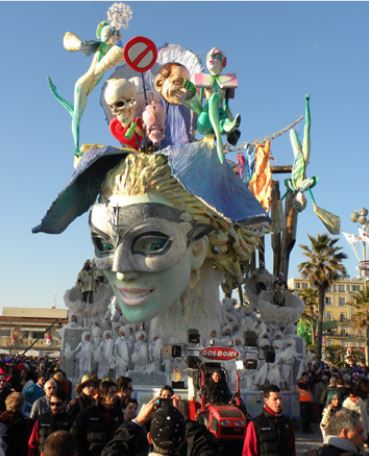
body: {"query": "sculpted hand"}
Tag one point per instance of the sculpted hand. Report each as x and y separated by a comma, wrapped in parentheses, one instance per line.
(190, 89)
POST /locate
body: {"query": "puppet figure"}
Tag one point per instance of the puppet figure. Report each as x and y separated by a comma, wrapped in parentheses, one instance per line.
(298, 184)
(153, 119)
(121, 97)
(107, 53)
(173, 84)
(216, 117)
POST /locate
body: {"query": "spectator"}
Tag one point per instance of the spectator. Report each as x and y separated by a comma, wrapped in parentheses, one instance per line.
(5, 390)
(130, 439)
(305, 401)
(216, 390)
(34, 392)
(321, 391)
(17, 427)
(124, 390)
(339, 389)
(47, 423)
(95, 425)
(167, 431)
(130, 410)
(42, 405)
(63, 385)
(345, 435)
(333, 407)
(271, 433)
(85, 390)
(60, 443)
(167, 392)
(356, 404)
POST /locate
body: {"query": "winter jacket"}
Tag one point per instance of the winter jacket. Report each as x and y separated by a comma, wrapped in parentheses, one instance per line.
(17, 431)
(94, 427)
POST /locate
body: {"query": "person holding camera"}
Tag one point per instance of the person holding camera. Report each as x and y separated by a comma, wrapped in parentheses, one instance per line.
(169, 434)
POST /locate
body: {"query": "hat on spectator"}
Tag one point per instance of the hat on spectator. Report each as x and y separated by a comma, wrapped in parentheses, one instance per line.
(86, 380)
(167, 428)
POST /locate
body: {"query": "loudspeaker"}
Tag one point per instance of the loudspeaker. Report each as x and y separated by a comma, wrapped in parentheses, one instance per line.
(176, 351)
(193, 336)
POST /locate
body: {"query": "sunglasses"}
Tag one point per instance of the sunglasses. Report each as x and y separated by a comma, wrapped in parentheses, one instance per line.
(56, 404)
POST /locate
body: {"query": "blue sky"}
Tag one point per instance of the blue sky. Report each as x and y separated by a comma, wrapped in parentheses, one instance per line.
(280, 51)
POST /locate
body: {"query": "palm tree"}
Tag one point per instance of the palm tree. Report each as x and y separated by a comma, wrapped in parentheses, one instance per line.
(360, 300)
(323, 266)
(310, 314)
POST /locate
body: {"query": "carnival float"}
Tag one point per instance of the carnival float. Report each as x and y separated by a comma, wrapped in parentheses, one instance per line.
(174, 221)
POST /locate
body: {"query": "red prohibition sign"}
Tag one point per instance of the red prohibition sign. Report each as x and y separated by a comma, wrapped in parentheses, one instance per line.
(140, 53)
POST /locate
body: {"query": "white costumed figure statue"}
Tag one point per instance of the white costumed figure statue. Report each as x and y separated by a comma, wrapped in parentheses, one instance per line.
(274, 374)
(140, 357)
(121, 354)
(106, 354)
(84, 353)
(262, 372)
(287, 359)
(155, 352)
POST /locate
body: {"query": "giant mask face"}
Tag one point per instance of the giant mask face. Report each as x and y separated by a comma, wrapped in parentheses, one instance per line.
(147, 249)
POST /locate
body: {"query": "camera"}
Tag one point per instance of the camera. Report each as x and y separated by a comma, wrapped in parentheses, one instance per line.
(163, 403)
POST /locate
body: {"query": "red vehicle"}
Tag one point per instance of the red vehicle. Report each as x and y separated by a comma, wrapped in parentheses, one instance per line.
(227, 422)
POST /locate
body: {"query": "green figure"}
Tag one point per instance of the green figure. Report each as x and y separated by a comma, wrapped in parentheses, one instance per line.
(216, 117)
(107, 53)
(299, 183)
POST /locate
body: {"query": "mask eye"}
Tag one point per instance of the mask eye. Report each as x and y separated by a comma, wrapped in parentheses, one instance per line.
(103, 246)
(150, 244)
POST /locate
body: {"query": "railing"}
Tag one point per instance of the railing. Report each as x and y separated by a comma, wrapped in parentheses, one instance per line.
(24, 342)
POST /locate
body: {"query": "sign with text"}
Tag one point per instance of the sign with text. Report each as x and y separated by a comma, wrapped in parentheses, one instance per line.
(220, 353)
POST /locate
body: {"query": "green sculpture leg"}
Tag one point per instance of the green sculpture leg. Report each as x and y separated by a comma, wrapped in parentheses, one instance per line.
(306, 141)
(214, 101)
(203, 122)
(66, 104)
(80, 103)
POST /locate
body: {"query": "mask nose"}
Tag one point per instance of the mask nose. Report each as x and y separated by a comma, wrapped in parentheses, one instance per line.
(122, 261)
(126, 276)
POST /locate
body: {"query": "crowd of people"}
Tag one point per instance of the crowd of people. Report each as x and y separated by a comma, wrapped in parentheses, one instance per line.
(330, 395)
(41, 415)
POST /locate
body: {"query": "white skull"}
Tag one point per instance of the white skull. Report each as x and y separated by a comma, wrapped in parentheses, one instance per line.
(121, 97)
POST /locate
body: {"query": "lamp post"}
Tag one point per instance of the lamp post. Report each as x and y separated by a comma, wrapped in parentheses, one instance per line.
(361, 217)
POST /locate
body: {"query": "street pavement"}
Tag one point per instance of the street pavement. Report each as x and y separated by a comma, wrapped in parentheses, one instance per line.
(306, 441)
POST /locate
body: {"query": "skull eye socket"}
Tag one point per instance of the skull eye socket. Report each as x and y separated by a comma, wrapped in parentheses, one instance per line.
(120, 104)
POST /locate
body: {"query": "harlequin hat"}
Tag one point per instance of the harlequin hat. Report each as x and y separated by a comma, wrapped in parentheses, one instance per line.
(195, 166)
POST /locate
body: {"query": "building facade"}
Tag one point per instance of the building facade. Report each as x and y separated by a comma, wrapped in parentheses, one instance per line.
(337, 309)
(31, 329)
